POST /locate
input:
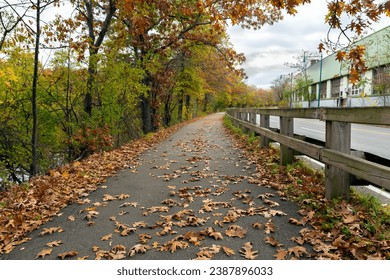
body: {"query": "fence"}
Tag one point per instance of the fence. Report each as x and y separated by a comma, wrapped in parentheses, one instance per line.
(339, 163)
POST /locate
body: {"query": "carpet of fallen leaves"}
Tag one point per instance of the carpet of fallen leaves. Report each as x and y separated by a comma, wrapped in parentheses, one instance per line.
(339, 229)
(330, 229)
(24, 208)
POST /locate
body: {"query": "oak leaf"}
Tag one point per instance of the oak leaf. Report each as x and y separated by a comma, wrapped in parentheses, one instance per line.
(257, 225)
(138, 249)
(95, 248)
(276, 213)
(247, 252)
(295, 222)
(71, 218)
(118, 252)
(235, 231)
(106, 237)
(272, 241)
(281, 254)
(123, 196)
(271, 203)
(51, 230)
(68, 254)
(132, 204)
(217, 235)
(108, 197)
(269, 227)
(54, 243)
(298, 251)
(43, 253)
(300, 240)
(228, 251)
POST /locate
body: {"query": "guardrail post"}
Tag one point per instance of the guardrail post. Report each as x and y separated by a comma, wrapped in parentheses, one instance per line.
(286, 128)
(264, 122)
(252, 118)
(338, 138)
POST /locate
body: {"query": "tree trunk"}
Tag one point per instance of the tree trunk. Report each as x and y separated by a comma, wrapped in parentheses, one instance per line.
(188, 104)
(34, 110)
(92, 71)
(146, 113)
(167, 118)
(180, 108)
(95, 43)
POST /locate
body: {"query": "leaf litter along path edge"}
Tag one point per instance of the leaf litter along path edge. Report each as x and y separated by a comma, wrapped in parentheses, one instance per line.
(190, 197)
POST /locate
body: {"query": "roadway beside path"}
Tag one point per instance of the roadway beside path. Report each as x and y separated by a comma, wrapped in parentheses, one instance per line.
(190, 197)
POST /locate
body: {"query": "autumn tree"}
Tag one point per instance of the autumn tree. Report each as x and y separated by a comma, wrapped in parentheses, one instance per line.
(95, 17)
(155, 28)
(10, 17)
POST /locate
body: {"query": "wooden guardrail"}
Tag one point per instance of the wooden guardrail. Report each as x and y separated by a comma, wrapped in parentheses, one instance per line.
(336, 153)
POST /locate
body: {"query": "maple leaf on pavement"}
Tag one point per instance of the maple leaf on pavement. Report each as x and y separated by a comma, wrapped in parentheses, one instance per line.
(247, 252)
(43, 253)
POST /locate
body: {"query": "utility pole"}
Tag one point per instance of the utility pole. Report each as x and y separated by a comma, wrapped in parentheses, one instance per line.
(320, 83)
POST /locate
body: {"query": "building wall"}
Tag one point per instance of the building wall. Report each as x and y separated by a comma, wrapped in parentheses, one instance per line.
(335, 76)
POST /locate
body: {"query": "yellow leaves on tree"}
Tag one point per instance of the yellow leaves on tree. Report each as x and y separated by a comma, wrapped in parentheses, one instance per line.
(355, 57)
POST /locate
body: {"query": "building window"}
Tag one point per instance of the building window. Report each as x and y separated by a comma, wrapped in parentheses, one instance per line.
(381, 79)
(355, 90)
(336, 87)
(323, 89)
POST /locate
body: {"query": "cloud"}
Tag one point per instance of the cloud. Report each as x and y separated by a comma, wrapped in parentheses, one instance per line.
(268, 49)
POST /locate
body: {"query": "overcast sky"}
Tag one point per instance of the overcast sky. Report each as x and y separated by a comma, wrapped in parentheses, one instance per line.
(268, 49)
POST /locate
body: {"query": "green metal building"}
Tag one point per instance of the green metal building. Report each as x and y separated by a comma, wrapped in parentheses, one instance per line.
(331, 78)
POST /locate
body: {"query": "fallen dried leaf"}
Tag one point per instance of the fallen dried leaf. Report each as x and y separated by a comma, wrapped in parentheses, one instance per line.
(228, 251)
(247, 252)
(269, 227)
(281, 254)
(68, 254)
(51, 230)
(106, 237)
(43, 253)
(71, 218)
(298, 251)
(235, 231)
(138, 249)
(54, 243)
(257, 225)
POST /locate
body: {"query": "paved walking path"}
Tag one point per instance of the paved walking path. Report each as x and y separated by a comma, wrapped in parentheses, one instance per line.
(189, 198)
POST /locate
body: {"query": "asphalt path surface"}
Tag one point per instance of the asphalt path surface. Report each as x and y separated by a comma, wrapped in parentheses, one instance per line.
(187, 193)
